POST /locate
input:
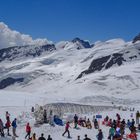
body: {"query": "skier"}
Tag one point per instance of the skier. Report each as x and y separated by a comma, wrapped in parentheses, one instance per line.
(75, 121)
(86, 138)
(14, 126)
(100, 135)
(49, 137)
(42, 137)
(1, 128)
(28, 131)
(67, 129)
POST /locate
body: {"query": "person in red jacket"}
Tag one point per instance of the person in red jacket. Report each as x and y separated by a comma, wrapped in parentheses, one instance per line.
(28, 131)
(67, 129)
(8, 125)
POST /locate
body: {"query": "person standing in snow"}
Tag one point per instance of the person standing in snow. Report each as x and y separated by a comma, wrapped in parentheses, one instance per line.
(8, 122)
(1, 128)
(75, 121)
(117, 134)
(8, 125)
(45, 116)
(32, 109)
(67, 129)
(100, 135)
(137, 117)
(28, 131)
(42, 137)
(86, 138)
(111, 133)
(78, 138)
(118, 117)
(14, 126)
(96, 126)
(128, 123)
(34, 137)
(133, 122)
(49, 137)
(7, 115)
(88, 124)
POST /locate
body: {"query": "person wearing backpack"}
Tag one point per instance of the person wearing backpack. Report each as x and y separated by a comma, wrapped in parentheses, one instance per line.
(14, 126)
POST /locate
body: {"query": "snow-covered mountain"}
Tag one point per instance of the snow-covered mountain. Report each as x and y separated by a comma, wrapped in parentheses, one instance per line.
(23, 52)
(74, 70)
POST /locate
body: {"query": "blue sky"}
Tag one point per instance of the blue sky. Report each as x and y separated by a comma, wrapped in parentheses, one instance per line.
(65, 19)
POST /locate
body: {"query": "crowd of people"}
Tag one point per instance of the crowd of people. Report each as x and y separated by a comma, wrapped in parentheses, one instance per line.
(116, 126)
(7, 126)
(84, 123)
(13, 124)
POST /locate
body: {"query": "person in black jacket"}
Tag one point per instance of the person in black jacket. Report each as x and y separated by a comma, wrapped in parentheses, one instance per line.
(86, 138)
(75, 121)
(100, 135)
(137, 117)
(49, 137)
(42, 137)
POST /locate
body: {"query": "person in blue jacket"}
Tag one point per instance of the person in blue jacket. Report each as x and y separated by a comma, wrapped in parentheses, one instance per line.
(14, 126)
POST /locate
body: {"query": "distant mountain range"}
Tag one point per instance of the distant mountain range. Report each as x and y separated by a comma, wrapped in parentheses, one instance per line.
(66, 67)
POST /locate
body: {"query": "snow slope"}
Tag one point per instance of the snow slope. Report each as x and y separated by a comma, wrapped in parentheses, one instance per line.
(53, 78)
(54, 75)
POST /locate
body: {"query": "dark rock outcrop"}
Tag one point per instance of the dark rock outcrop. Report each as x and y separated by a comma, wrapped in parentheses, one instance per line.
(9, 81)
(104, 63)
(137, 38)
(17, 52)
(85, 44)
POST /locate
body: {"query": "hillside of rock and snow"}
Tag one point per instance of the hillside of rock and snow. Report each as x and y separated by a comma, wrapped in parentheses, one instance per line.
(75, 72)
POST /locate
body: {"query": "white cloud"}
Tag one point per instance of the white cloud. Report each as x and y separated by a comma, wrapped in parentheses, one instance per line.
(10, 38)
